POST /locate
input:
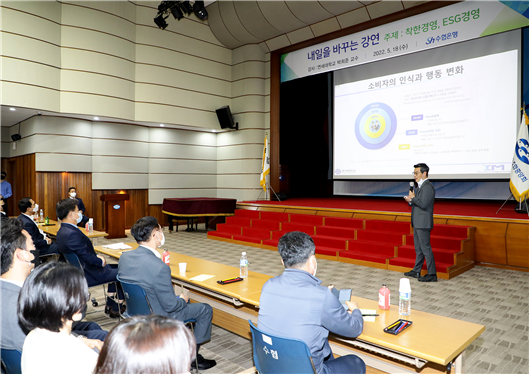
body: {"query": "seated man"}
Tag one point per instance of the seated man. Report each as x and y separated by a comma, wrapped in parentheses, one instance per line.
(43, 243)
(70, 239)
(16, 266)
(72, 193)
(144, 267)
(294, 305)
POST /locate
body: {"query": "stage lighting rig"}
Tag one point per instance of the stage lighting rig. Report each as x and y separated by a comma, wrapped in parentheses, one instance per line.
(177, 9)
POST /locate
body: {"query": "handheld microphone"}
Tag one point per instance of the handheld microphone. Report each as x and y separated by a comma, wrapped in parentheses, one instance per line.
(412, 186)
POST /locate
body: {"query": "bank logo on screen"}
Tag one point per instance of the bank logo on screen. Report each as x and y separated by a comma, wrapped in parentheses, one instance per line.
(375, 125)
(522, 150)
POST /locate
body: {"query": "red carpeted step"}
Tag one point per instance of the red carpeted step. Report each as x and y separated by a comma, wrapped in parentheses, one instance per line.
(440, 255)
(271, 242)
(229, 229)
(371, 247)
(410, 263)
(289, 227)
(443, 242)
(450, 231)
(330, 242)
(339, 232)
(276, 235)
(315, 220)
(252, 214)
(241, 222)
(258, 233)
(388, 226)
(380, 237)
(365, 256)
(220, 234)
(266, 224)
(344, 222)
(326, 251)
(248, 239)
(273, 216)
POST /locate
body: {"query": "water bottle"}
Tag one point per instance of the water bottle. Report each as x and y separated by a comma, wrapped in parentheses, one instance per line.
(384, 297)
(244, 266)
(41, 215)
(404, 297)
(90, 225)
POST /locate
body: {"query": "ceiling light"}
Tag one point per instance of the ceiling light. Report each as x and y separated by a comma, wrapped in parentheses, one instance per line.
(186, 7)
(159, 20)
(12, 109)
(199, 10)
(161, 124)
(96, 118)
(177, 13)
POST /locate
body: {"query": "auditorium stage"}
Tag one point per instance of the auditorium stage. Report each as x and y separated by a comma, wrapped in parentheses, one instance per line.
(478, 209)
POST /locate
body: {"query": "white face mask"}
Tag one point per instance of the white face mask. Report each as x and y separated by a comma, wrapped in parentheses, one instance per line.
(73, 194)
(315, 267)
(79, 217)
(163, 240)
(36, 208)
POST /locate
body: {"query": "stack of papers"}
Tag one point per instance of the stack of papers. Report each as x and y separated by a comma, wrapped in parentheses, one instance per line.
(118, 246)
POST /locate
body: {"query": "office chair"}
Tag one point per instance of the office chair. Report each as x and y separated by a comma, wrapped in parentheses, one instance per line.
(280, 355)
(138, 303)
(11, 361)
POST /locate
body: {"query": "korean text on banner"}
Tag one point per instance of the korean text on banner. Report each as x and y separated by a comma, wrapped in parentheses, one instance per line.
(265, 168)
(520, 163)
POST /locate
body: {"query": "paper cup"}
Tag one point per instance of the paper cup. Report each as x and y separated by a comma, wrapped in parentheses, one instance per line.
(182, 267)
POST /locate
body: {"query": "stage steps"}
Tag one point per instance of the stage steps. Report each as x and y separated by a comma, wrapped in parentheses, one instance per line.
(383, 244)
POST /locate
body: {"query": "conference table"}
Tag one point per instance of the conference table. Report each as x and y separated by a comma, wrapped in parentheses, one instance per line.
(52, 230)
(433, 344)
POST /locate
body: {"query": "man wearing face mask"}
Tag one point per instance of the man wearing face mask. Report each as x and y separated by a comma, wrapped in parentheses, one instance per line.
(70, 239)
(144, 267)
(17, 253)
(294, 305)
(72, 193)
(43, 244)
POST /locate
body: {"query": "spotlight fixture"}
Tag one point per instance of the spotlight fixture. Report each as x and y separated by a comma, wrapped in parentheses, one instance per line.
(96, 118)
(12, 109)
(177, 9)
(16, 137)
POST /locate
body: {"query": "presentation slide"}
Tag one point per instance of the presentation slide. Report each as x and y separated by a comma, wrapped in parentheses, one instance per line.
(460, 118)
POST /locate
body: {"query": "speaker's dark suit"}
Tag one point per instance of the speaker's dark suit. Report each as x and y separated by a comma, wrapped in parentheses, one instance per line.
(38, 239)
(422, 222)
(143, 268)
(72, 240)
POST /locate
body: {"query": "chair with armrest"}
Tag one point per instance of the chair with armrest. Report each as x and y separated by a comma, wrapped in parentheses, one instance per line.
(280, 355)
(138, 303)
(11, 361)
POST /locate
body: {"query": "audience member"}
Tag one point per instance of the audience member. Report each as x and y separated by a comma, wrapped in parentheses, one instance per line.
(295, 305)
(151, 344)
(16, 252)
(28, 207)
(70, 239)
(52, 298)
(144, 267)
(72, 193)
(5, 189)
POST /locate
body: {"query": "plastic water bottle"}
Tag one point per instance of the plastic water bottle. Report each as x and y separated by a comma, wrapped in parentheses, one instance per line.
(41, 215)
(90, 225)
(404, 297)
(244, 266)
(384, 297)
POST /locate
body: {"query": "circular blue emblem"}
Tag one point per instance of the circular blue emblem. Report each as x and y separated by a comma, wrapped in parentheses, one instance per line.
(375, 126)
(116, 207)
(522, 150)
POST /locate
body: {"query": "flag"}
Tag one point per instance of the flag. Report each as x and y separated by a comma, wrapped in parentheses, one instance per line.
(265, 167)
(520, 163)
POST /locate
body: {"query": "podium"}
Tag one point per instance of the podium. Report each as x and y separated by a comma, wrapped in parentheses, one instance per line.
(114, 214)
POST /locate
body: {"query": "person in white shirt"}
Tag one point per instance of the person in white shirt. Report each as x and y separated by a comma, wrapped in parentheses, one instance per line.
(54, 296)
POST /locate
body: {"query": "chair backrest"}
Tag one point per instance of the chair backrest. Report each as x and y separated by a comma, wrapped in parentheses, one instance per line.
(11, 361)
(280, 355)
(72, 259)
(135, 298)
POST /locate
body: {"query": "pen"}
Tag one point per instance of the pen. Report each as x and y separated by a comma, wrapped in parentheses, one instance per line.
(369, 314)
(393, 325)
(229, 279)
(401, 327)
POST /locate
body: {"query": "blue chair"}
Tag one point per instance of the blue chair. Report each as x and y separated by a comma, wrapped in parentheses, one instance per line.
(11, 361)
(72, 259)
(138, 303)
(280, 355)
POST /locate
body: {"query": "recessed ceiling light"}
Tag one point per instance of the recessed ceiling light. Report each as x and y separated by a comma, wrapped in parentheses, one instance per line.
(214, 131)
(161, 124)
(96, 118)
(12, 109)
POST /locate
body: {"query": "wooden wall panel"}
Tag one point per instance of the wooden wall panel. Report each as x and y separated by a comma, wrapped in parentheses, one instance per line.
(21, 175)
(517, 241)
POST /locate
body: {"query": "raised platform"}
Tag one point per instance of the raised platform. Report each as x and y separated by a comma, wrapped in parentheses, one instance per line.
(501, 241)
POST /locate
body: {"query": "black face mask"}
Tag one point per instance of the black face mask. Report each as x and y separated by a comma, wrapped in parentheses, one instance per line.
(3, 177)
